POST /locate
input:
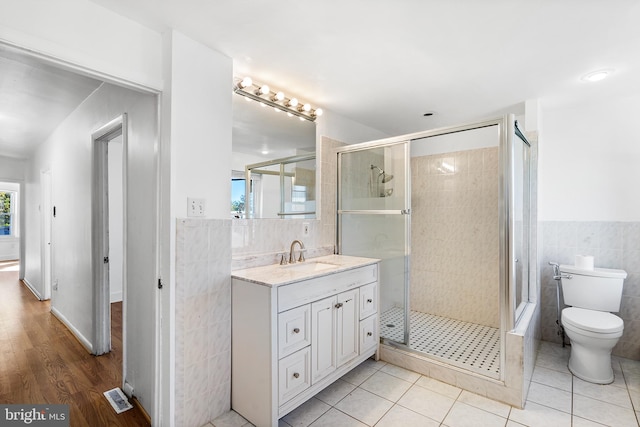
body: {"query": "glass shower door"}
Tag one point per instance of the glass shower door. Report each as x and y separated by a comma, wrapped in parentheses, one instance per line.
(374, 221)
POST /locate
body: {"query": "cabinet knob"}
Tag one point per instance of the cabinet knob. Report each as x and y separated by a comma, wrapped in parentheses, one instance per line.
(296, 375)
(296, 330)
(338, 305)
(369, 300)
(369, 334)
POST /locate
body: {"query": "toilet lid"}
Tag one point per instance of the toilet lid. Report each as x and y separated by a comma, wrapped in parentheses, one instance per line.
(592, 320)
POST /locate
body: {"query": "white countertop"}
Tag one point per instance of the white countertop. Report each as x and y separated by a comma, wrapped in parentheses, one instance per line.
(275, 274)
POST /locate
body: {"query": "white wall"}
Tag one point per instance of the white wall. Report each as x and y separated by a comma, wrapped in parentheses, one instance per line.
(335, 126)
(81, 33)
(201, 81)
(11, 169)
(589, 162)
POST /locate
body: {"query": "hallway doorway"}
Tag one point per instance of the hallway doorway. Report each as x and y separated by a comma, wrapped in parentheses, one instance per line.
(108, 224)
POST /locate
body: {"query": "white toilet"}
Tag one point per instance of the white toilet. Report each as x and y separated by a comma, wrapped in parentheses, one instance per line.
(593, 331)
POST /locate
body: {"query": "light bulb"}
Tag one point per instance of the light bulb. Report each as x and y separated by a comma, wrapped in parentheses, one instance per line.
(596, 76)
(245, 82)
(306, 108)
(318, 112)
(278, 96)
(293, 102)
(264, 89)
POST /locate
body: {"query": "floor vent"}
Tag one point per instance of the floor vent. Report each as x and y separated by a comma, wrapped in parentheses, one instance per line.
(118, 400)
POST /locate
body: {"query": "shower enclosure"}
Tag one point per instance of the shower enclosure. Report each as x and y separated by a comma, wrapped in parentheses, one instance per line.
(447, 212)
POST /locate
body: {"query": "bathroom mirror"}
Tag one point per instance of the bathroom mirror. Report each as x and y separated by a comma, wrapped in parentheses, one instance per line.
(263, 136)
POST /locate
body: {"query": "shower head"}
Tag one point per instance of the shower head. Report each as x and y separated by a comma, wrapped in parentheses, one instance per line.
(385, 176)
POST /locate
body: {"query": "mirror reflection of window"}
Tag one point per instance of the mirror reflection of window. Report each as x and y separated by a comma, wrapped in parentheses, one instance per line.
(301, 195)
(239, 207)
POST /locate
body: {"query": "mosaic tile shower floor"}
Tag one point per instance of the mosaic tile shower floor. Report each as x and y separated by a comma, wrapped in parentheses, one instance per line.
(471, 346)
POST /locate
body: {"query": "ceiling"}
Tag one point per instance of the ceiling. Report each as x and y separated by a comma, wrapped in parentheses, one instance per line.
(34, 99)
(386, 63)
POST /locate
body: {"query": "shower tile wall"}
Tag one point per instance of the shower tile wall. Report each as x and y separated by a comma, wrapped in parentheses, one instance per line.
(613, 245)
(203, 320)
(454, 236)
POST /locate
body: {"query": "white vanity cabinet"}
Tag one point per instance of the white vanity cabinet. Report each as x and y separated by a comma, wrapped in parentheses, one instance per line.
(292, 338)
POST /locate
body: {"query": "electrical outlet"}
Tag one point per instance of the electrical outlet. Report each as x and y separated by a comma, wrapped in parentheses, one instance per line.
(195, 207)
(305, 229)
(55, 285)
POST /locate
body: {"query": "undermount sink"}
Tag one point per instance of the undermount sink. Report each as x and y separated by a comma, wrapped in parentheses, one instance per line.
(310, 266)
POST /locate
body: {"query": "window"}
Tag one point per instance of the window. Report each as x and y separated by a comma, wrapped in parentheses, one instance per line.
(7, 212)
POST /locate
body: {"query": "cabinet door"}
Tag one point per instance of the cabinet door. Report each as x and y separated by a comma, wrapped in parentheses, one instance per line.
(368, 334)
(294, 330)
(323, 327)
(347, 326)
(368, 300)
(293, 375)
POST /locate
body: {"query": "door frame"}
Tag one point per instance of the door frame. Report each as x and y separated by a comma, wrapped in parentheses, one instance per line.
(46, 237)
(100, 234)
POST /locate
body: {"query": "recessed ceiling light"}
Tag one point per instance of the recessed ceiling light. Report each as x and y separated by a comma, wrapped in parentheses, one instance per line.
(428, 114)
(596, 76)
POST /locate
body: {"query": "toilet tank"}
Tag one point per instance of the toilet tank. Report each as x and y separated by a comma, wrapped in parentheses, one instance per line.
(598, 289)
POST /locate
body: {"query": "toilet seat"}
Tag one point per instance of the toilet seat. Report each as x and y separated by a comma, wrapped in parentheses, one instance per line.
(598, 322)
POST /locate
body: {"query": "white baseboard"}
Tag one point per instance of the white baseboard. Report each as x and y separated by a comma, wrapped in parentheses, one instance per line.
(116, 296)
(85, 342)
(32, 289)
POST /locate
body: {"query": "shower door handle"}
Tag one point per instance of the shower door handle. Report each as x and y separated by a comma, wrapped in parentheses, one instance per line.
(405, 211)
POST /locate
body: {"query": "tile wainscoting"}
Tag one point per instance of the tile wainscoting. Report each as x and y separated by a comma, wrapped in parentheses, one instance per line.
(203, 320)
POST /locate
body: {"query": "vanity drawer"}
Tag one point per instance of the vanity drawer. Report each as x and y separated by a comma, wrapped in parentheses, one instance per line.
(294, 375)
(294, 330)
(307, 291)
(368, 300)
(368, 333)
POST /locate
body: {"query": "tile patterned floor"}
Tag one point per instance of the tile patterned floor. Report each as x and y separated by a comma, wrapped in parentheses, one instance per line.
(468, 345)
(383, 395)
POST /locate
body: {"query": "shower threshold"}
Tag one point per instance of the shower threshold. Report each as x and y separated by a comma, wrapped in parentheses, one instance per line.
(463, 344)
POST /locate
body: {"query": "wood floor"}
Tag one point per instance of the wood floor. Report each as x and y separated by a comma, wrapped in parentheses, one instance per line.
(42, 362)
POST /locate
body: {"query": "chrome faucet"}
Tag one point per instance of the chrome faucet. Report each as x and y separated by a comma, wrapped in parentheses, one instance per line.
(292, 258)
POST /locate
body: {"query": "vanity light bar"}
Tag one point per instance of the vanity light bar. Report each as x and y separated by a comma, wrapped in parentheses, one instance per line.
(276, 99)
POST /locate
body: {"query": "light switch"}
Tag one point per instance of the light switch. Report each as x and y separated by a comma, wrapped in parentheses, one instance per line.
(195, 207)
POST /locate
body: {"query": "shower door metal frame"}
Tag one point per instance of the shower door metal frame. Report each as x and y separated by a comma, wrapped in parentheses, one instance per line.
(407, 211)
(514, 136)
(506, 134)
